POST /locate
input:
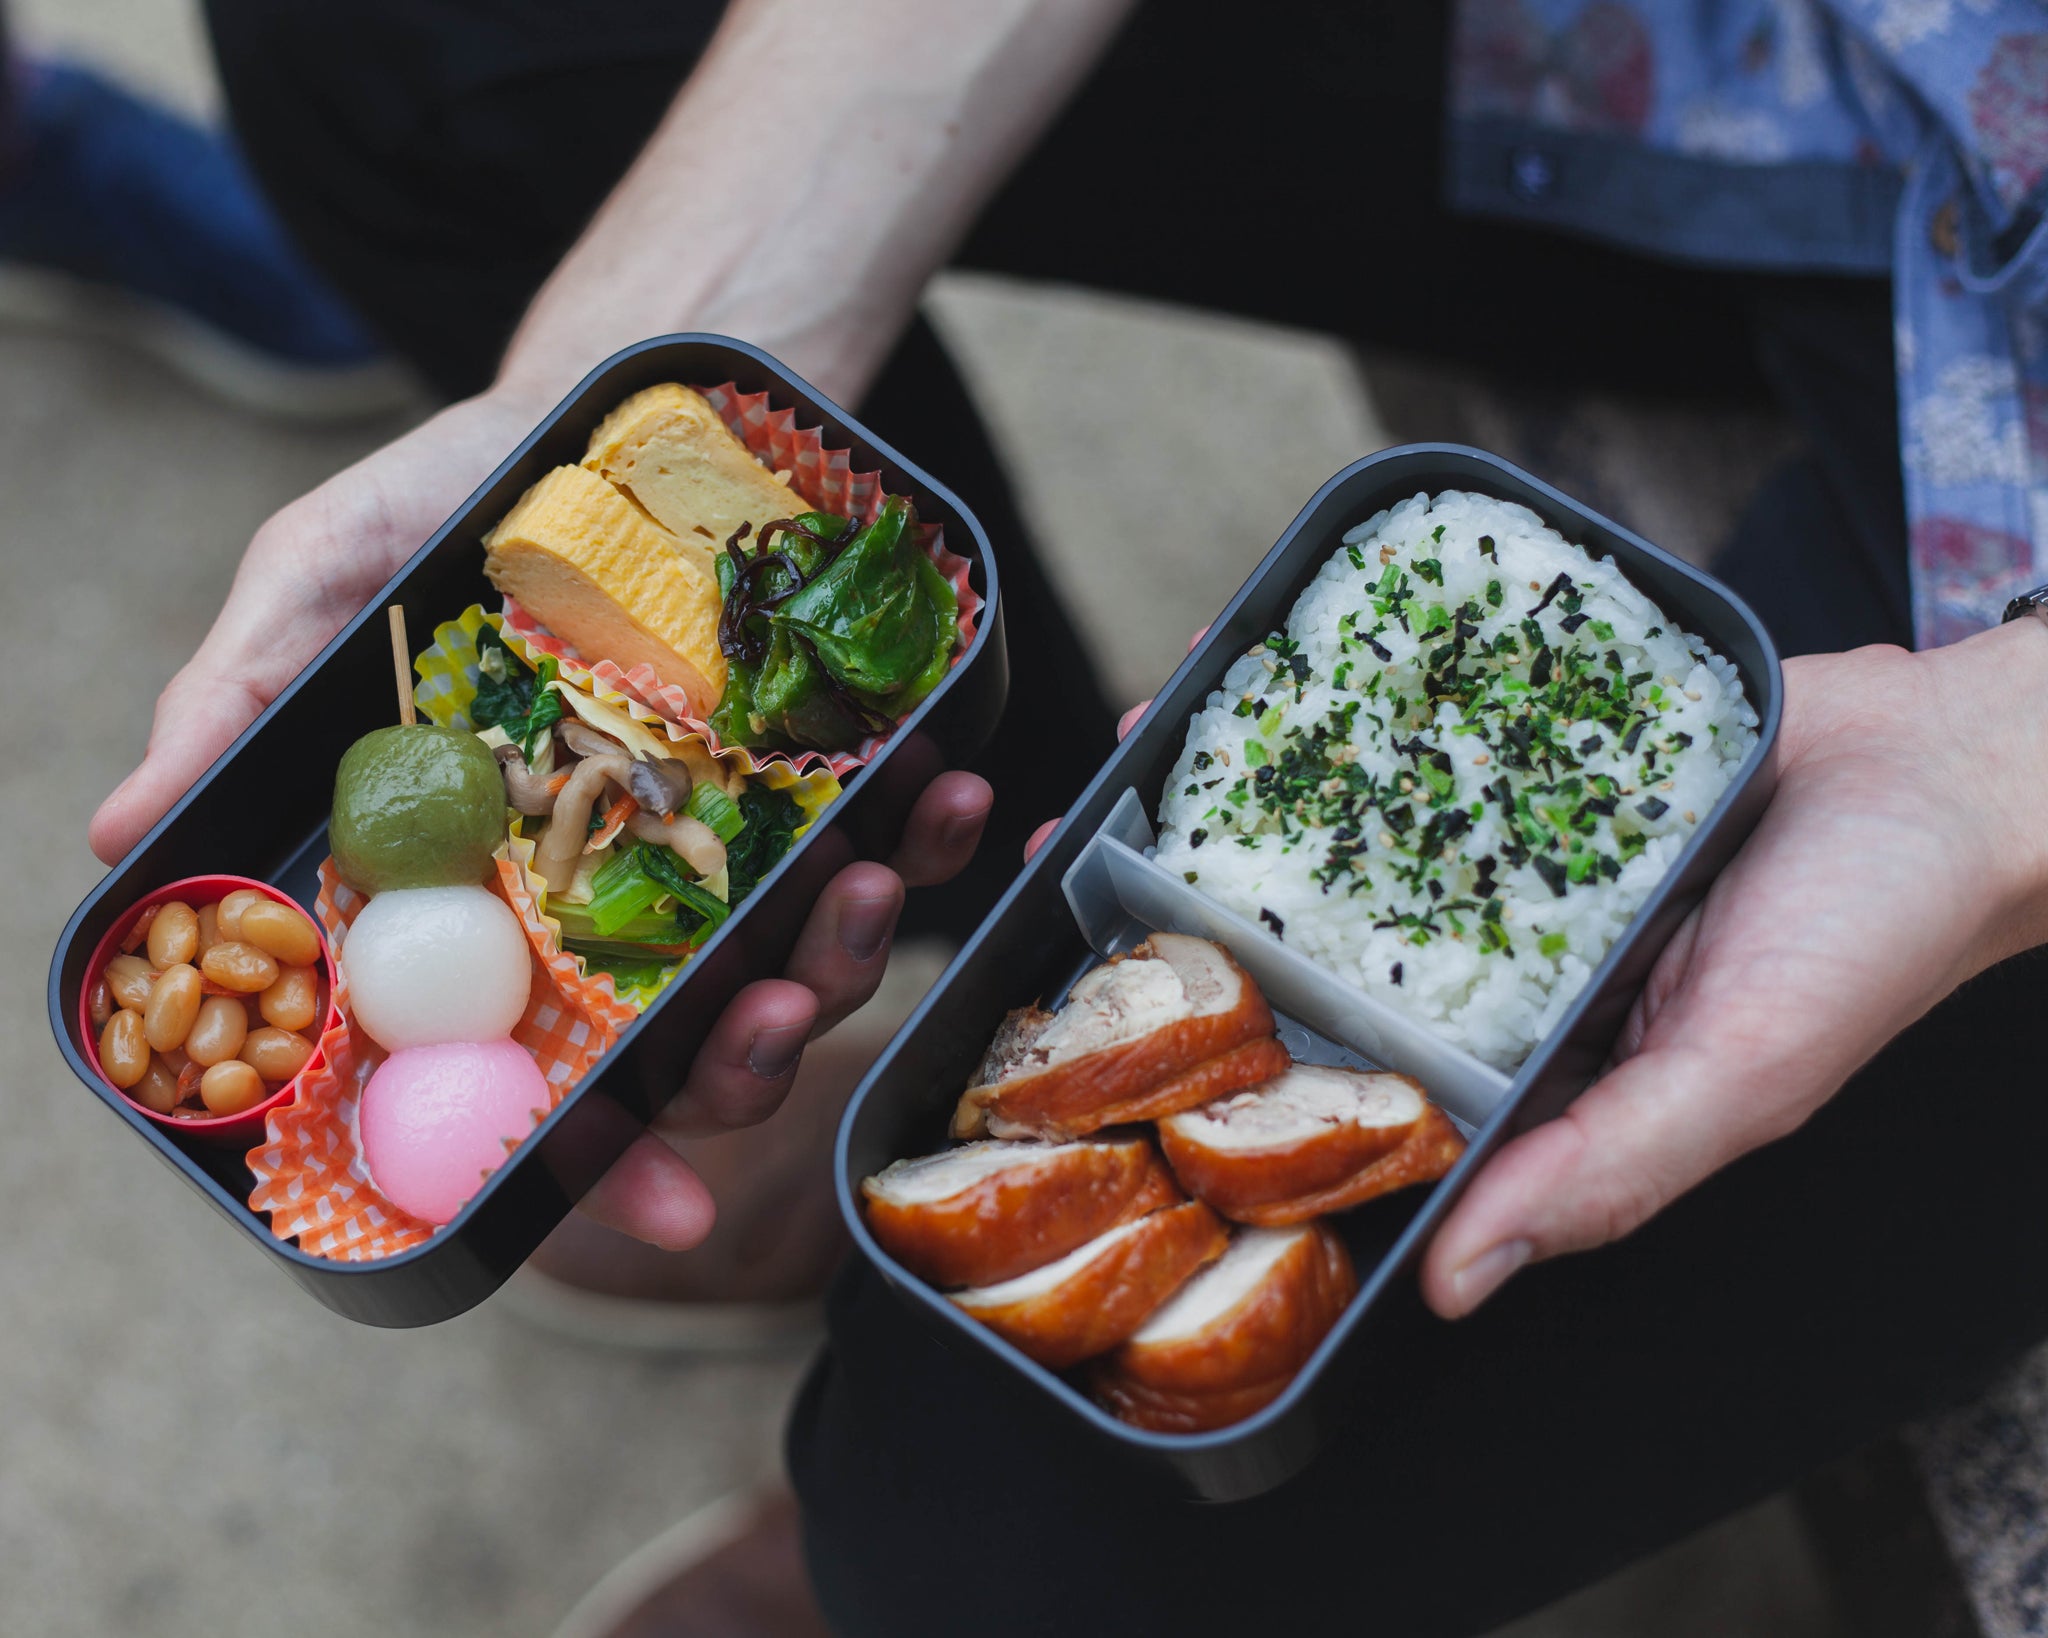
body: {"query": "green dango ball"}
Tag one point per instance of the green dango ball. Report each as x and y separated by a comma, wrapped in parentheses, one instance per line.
(416, 806)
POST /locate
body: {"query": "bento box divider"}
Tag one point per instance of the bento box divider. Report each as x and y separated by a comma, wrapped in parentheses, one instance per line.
(1118, 893)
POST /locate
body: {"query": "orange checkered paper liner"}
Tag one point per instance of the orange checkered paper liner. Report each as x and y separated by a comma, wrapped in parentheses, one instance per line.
(825, 481)
(309, 1169)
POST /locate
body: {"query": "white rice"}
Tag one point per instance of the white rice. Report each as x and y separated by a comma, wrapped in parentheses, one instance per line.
(1524, 885)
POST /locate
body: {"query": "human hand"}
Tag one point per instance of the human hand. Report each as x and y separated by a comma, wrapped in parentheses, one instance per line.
(1903, 853)
(306, 573)
(309, 569)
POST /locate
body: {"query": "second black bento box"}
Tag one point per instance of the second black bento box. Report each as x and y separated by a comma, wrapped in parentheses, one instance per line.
(1091, 891)
(261, 812)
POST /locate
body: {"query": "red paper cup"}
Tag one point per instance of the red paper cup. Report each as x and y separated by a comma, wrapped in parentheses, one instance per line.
(237, 1130)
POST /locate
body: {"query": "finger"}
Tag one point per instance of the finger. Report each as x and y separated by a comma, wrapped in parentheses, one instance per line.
(197, 718)
(1631, 1144)
(843, 951)
(1129, 720)
(651, 1194)
(1195, 641)
(943, 830)
(744, 1070)
(1038, 838)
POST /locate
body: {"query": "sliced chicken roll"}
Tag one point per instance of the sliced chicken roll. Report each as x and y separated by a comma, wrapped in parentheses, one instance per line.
(1311, 1140)
(1094, 1297)
(1232, 1338)
(991, 1211)
(1173, 1023)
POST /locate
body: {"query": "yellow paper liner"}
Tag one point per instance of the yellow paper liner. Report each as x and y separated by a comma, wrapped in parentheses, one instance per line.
(310, 1175)
(448, 671)
(826, 481)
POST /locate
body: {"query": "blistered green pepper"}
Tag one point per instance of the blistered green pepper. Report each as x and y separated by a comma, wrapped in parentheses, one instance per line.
(945, 607)
(867, 614)
(793, 701)
(864, 633)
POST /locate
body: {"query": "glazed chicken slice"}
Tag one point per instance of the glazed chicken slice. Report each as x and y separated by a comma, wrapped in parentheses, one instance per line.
(1313, 1139)
(1172, 1024)
(988, 1212)
(1309, 1141)
(1231, 1339)
(1096, 1296)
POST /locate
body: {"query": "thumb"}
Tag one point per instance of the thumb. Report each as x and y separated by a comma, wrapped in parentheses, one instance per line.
(198, 716)
(1656, 1126)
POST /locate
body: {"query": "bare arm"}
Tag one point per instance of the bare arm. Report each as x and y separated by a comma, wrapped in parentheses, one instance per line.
(820, 165)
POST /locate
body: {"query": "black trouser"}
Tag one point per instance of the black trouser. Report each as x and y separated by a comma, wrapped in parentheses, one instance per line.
(1803, 1301)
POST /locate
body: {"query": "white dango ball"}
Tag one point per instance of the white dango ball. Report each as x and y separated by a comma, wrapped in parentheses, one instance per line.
(431, 965)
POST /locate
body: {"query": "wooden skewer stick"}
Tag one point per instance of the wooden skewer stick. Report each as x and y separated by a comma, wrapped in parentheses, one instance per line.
(401, 665)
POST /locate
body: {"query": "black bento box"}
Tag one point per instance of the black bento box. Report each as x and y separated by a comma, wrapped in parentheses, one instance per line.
(261, 811)
(1085, 894)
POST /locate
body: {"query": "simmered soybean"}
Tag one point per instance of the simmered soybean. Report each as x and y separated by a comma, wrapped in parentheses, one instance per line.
(229, 1088)
(280, 931)
(293, 1000)
(128, 980)
(124, 1049)
(173, 1005)
(157, 1090)
(275, 1054)
(239, 967)
(173, 934)
(218, 1033)
(228, 918)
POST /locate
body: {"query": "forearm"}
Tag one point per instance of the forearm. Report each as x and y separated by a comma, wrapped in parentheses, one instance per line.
(818, 167)
(1994, 691)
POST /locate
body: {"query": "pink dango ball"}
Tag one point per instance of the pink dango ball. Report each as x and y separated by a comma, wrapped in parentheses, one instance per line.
(435, 1120)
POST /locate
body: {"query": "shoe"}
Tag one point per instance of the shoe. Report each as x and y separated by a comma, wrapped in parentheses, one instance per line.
(121, 220)
(734, 1569)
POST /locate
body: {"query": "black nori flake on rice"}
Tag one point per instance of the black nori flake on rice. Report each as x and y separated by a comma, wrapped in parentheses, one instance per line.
(1563, 583)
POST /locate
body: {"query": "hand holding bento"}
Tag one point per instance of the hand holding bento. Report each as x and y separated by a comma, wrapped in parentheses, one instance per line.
(306, 573)
(299, 583)
(1903, 853)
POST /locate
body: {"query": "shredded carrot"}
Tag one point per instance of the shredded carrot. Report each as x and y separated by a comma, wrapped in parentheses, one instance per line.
(554, 785)
(614, 821)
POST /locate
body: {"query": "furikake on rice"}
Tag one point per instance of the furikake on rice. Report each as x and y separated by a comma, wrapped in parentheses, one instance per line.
(1459, 770)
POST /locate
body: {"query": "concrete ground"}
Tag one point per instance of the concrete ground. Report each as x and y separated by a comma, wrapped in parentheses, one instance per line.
(188, 1445)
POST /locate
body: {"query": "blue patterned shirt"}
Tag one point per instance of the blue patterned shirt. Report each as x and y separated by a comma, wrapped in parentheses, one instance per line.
(1907, 137)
